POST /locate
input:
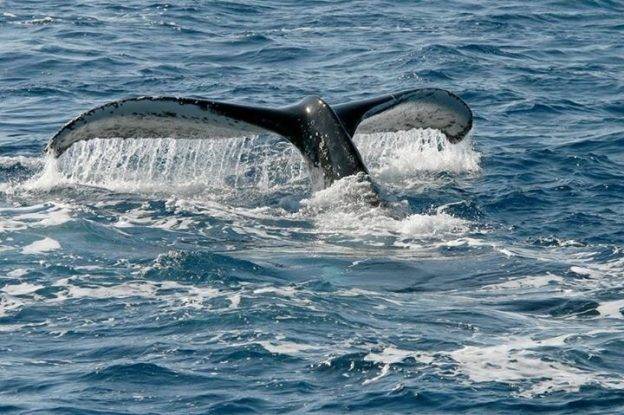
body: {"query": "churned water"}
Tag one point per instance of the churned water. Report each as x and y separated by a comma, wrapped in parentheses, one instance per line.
(161, 276)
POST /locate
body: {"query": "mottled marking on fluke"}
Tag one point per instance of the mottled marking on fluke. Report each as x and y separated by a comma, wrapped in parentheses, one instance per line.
(322, 133)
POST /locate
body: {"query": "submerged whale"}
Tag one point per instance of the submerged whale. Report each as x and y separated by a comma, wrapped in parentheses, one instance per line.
(321, 133)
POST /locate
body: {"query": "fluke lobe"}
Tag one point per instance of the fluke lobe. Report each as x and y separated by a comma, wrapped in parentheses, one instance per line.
(321, 133)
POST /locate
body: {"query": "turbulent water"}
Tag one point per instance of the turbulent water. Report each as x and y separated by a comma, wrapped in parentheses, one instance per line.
(186, 276)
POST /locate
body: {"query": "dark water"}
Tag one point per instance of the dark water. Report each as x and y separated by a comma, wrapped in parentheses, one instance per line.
(204, 277)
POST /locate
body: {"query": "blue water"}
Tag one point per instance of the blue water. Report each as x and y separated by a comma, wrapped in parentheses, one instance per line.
(198, 277)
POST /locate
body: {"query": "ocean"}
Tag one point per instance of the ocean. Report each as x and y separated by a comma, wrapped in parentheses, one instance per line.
(205, 276)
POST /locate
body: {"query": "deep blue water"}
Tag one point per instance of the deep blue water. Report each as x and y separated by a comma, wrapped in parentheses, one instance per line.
(194, 277)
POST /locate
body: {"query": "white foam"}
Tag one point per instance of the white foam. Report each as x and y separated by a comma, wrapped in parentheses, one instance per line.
(142, 218)
(48, 178)
(124, 290)
(187, 295)
(235, 300)
(284, 347)
(356, 292)
(113, 291)
(592, 273)
(26, 161)
(4, 248)
(41, 21)
(9, 225)
(611, 309)
(515, 361)
(431, 225)
(55, 216)
(281, 291)
(466, 241)
(9, 304)
(39, 215)
(41, 247)
(17, 273)
(385, 369)
(21, 289)
(533, 281)
(345, 207)
(7, 328)
(135, 217)
(392, 355)
(88, 267)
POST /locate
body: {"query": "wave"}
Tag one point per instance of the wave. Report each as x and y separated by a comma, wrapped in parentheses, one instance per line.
(141, 373)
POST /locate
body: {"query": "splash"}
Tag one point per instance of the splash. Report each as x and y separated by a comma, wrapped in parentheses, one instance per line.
(402, 158)
(346, 207)
(263, 164)
(256, 170)
(177, 166)
(7, 162)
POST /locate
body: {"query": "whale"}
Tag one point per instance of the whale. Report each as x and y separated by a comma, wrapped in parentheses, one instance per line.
(322, 133)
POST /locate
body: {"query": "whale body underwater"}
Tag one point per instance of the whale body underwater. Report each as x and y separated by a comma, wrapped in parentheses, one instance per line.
(322, 133)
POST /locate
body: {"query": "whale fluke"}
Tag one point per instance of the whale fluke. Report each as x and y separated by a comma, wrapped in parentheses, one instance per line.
(418, 108)
(321, 133)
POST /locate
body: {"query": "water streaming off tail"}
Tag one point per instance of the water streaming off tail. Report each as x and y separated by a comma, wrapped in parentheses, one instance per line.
(399, 157)
(263, 163)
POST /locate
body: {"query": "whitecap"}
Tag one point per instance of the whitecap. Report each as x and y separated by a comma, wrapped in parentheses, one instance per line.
(42, 246)
(515, 361)
(17, 273)
(348, 207)
(532, 281)
(21, 289)
(284, 347)
(392, 355)
(611, 309)
(9, 304)
(235, 300)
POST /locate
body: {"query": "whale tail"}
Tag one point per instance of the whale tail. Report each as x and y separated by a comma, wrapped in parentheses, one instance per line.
(320, 132)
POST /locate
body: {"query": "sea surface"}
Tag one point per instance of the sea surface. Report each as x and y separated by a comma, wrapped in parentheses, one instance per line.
(198, 276)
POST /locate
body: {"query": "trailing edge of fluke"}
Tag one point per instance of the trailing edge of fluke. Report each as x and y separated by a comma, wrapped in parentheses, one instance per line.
(320, 132)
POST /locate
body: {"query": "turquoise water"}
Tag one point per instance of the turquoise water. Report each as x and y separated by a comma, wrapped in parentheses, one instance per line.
(161, 276)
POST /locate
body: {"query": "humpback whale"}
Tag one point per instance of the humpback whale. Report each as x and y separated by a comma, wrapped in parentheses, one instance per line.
(322, 133)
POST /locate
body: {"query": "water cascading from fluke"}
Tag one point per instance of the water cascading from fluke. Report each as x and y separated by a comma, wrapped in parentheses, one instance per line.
(263, 164)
